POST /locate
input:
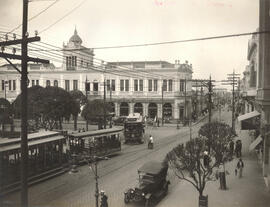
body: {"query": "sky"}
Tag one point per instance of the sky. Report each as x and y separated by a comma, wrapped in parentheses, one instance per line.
(102, 23)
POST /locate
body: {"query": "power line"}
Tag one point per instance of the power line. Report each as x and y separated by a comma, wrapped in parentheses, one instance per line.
(67, 14)
(35, 16)
(166, 42)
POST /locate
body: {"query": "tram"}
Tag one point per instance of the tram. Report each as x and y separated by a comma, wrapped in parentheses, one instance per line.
(46, 157)
(104, 142)
(134, 129)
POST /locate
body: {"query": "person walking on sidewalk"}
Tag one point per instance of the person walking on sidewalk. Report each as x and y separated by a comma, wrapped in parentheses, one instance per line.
(240, 166)
(231, 146)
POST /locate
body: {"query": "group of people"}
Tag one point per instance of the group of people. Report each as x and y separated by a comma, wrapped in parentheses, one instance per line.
(238, 153)
(237, 149)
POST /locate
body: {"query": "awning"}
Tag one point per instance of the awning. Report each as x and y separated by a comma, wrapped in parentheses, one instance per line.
(255, 143)
(248, 115)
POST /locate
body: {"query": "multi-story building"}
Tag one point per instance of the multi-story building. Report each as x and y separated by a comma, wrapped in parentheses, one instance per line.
(256, 89)
(139, 86)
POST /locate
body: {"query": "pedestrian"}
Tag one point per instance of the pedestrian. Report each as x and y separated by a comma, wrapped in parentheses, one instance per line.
(237, 149)
(104, 199)
(231, 145)
(206, 159)
(240, 166)
(240, 148)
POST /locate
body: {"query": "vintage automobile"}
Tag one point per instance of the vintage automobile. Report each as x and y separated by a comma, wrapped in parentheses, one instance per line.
(152, 185)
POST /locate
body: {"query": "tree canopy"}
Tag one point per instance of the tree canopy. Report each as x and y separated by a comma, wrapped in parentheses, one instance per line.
(5, 111)
(187, 163)
(47, 105)
(94, 110)
(217, 136)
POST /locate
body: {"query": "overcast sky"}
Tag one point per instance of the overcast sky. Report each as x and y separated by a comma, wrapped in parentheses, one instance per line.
(122, 22)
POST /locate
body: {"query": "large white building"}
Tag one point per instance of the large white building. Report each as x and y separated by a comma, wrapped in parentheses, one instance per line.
(130, 86)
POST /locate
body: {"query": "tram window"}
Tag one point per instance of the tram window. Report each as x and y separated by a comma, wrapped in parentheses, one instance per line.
(57, 147)
(11, 157)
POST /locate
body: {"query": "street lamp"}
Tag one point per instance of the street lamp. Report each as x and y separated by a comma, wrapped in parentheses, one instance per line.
(95, 161)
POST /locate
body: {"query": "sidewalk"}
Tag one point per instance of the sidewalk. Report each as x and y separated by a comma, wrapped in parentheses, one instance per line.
(249, 191)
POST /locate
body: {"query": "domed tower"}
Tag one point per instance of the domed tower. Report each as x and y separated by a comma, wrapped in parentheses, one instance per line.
(76, 56)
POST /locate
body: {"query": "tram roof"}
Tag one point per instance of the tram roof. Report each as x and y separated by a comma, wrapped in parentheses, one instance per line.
(96, 132)
(31, 143)
(36, 135)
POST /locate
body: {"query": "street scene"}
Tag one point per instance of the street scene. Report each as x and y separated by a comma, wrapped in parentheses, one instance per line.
(140, 103)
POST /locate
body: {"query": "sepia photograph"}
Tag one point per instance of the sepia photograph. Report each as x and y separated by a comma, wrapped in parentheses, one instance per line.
(135, 103)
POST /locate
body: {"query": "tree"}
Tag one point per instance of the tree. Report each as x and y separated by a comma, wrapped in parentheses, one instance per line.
(57, 104)
(80, 100)
(5, 113)
(47, 106)
(94, 110)
(218, 135)
(187, 163)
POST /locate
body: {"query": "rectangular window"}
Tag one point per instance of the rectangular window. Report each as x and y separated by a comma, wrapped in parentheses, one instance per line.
(135, 85)
(33, 82)
(150, 85)
(170, 85)
(3, 85)
(182, 85)
(14, 85)
(155, 85)
(127, 85)
(113, 85)
(108, 85)
(141, 85)
(55, 83)
(121, 85)
(67, 60)
(9, 85)
(75, 84)
(37, 82)
(67, 88)
(164, 85)
(75, 59)
(48, 83)
(95, 86)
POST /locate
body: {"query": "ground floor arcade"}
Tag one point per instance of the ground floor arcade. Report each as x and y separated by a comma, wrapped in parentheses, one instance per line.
(172, 109)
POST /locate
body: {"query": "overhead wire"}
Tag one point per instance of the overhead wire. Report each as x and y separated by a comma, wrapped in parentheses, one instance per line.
(36, 15)
(119, 69)
(67, 14)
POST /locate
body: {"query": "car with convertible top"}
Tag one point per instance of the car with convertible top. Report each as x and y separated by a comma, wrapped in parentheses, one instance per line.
(152, 185)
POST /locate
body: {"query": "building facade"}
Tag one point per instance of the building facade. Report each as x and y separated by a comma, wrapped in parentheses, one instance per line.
(146, 87)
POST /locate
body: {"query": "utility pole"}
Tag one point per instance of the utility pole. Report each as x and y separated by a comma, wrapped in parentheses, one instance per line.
(96, 179)
(104, 97)
(24, 143)
(162, 112)
(210, 99)
(185, 108)
(201, 97)
(104, 103)
(24, 82)
(87, 88)
(232, 80)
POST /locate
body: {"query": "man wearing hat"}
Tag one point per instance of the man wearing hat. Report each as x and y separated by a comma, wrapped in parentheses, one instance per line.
(104, 199)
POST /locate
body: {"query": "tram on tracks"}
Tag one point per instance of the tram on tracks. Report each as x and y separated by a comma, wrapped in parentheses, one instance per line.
(104, 142)
(46, 156)
(134, 129)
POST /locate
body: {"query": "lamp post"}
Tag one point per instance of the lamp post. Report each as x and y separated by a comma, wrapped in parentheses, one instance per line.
(95, 160)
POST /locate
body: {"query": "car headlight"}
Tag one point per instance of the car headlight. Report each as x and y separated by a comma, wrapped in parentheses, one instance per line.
(142, 194)
(132, 191)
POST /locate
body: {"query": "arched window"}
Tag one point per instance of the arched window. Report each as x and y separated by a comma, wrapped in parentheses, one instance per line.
(124, 109)
(55, 83)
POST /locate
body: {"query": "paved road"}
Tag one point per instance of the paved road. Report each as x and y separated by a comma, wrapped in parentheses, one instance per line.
(116, 174)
